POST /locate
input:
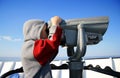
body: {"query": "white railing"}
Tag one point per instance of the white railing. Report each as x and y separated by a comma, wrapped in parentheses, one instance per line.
(114, 63)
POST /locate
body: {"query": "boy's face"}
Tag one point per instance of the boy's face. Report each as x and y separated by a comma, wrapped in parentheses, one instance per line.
(44, 34)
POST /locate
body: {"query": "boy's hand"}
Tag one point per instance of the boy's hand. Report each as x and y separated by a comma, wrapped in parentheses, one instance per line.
(55, 21)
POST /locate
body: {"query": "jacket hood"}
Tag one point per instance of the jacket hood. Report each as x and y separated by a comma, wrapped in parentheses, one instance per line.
(32, 29)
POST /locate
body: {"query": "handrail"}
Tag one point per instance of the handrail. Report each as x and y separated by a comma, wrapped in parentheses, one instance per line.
(107, 70)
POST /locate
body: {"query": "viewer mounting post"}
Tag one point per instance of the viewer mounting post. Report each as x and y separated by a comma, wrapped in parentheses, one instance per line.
(75, 62)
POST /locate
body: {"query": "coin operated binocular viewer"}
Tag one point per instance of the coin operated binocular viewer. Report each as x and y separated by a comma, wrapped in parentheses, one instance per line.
(79, 33)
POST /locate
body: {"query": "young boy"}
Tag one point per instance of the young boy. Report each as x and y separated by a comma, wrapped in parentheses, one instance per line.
(39, 47)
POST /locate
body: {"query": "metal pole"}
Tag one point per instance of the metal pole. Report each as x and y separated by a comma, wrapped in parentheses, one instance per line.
(75, 69)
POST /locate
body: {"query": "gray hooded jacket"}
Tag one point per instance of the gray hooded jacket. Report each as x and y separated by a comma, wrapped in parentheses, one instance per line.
(31, 67)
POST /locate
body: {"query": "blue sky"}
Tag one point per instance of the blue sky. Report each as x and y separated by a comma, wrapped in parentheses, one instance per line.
(13, 13)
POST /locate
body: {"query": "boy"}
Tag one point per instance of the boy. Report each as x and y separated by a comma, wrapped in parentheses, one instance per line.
(39, 47)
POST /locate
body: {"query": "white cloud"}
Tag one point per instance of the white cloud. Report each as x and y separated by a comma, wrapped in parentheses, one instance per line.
(17, 39)
(9, 38)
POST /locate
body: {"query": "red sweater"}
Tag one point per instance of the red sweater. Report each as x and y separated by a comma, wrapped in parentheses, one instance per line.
(45, 50)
